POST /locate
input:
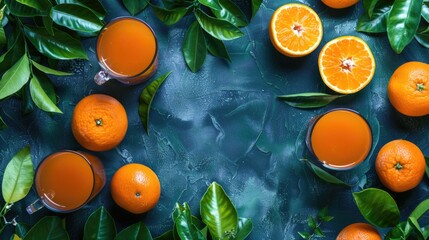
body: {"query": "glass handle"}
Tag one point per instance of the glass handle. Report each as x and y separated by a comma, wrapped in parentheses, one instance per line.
(35, 206)
(101, 77)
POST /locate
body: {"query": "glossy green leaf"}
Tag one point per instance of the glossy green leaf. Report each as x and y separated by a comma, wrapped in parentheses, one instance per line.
(2, 124)
(169, 16)
(421, 209)
(417, 229)
(399, 232)
(76, 18)
(42, 5)
(3, 39)
(100, 226)
(183, 223)
(369, 6)
(28, 106)
(14, 78)
(48, 70)
(146, 99)
(21, 10)
(15, 52)
(423, 38)
(135, 6)
(21, 229)
(218, 212)
(135, 231)
(61, 46)
(18, 177)
(213, 4)
(216, 47)
(304, 235)
(311, 222)
(93, 5)
(308, 100)
(323, 175)
(256, 4)
(425, 12)
(15, 237)
(402, 23)
(378, 22)
(165, 236)
(231, 12)
(218, 28)
(39, 90)
(323, 216)
(371, 199)
(49, 227)
(194, 47)
(244, 228)
(48, 23)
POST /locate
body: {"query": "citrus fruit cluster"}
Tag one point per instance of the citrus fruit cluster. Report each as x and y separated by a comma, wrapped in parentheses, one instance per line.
(99, 123)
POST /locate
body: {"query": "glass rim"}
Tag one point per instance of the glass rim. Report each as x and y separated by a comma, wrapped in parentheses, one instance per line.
(43, 200)
(110, 71)
(313, 123)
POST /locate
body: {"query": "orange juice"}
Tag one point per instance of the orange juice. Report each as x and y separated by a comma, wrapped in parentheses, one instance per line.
(127, 47)
(67, 180)
(340, 139)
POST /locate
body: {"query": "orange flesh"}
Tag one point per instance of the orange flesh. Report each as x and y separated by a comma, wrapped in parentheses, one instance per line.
(126, 47)
(341, 139)
(297, 29)
(65, 181)
(347, 64)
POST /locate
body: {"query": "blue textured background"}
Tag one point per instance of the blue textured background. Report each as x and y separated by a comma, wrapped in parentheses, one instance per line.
(224, 124)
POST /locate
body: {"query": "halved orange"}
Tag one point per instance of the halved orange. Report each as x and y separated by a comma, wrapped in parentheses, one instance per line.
(346, 64)
(295, 30)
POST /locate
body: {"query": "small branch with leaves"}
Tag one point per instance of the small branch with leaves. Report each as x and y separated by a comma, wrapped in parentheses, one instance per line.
(314, 223)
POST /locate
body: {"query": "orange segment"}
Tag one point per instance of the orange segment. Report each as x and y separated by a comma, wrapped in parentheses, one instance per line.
(295, 30)
(346, 64)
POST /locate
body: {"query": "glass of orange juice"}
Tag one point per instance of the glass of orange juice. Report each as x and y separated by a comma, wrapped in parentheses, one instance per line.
(66, 180)
(127, 50)
(340, 138)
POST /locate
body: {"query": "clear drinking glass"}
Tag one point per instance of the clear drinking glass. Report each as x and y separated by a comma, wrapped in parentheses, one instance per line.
(67, 180)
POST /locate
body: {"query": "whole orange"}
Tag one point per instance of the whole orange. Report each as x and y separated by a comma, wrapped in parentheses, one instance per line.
(408, 89)
(359, 231)
(99, 122)
(340, 3)
(400, 165)
(135, 188)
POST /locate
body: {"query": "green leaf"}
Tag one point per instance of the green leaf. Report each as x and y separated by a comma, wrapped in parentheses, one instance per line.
(427, 166)
(244, 228)
(93, 5)
(325, 176)
(216, 47)
(169, 16)
(421, 209)
(61, 46)
(48, 70)
(146, 99)
(48, 23)
(402, 23)
(213, 4)
(218, 28)
(423, 38)
(41, 89)
(304, 235)
(3, 39)
(49, 227)
(194, 47)
(135, 6)
(14, 78)
(15, 237)
(416, 227)
(318, 232)
(311, 222)
(76, 18)
(231, 12)
(27, 105)
(2, 124)
(18, 177)
(135, 231)
(15, 51)
(42, 5)
(425, 12)
(308, 100)
(400, 232)
(256, 4)
(218, 212)
(170, 4)
(100, 226)
(165, 236)
(377, 207)
(21, 10)
(183, 222)
(369, 6)
(322, 215)
(378, 22)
